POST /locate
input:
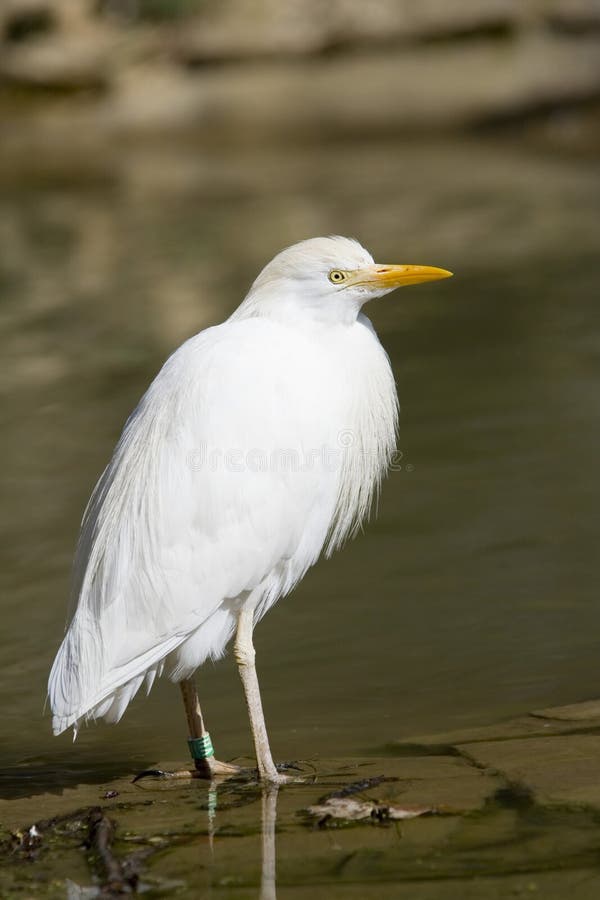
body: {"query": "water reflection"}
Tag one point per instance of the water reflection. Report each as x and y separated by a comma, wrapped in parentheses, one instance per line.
(267, 825)
(268, 886)
(232, 843)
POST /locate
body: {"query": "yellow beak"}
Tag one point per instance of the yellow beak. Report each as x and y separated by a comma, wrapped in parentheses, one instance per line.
(389, 277)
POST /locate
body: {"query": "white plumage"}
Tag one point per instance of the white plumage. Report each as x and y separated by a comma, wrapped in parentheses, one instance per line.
(259, 444)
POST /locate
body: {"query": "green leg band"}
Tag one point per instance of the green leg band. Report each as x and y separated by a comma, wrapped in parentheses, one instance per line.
(201, 748)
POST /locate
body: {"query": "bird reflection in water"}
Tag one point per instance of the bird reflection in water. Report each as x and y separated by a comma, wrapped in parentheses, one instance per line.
(268, 885)
(269, 795)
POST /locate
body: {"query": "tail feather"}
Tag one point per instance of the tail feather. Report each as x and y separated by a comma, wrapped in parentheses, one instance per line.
(72, 699)
(122, 697)
(76, 693)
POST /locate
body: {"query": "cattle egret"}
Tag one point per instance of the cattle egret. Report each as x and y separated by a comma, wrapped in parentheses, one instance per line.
(259, 445)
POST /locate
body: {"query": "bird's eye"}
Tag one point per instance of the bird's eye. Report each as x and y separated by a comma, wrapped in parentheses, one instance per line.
(336, 276)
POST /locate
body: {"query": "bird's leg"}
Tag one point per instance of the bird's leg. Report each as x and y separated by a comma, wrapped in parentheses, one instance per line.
(200, 744)
(245, 656)
(206, 766)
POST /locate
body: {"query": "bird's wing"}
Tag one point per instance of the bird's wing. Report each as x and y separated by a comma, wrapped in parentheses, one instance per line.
(207, 492)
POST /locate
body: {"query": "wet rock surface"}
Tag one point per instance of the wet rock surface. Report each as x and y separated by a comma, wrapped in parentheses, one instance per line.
(504, 810)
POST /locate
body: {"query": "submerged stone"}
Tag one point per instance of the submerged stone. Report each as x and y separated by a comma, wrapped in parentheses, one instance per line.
(560, 769)
(589, 711)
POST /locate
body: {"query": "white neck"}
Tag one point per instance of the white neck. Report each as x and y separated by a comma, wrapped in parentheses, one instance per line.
(282, 302)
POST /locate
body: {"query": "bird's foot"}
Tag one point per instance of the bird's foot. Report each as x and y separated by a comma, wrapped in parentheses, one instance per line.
(203, 768)
(277, 775)
(214, 768)
(276, 779)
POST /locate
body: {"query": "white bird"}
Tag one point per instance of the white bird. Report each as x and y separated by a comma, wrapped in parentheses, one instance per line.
(259, 445)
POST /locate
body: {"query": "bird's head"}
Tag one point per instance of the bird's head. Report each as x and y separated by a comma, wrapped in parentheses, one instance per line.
(328, 278)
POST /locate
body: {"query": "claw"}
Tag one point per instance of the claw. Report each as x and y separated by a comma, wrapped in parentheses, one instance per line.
(154, 773)
(285, 766)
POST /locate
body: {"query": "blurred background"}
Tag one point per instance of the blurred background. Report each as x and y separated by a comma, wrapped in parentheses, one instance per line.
(154, 155)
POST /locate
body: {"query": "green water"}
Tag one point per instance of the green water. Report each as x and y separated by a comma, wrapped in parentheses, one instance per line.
(473, 595)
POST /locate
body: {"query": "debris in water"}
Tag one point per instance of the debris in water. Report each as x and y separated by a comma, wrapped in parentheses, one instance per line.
(364, 810)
